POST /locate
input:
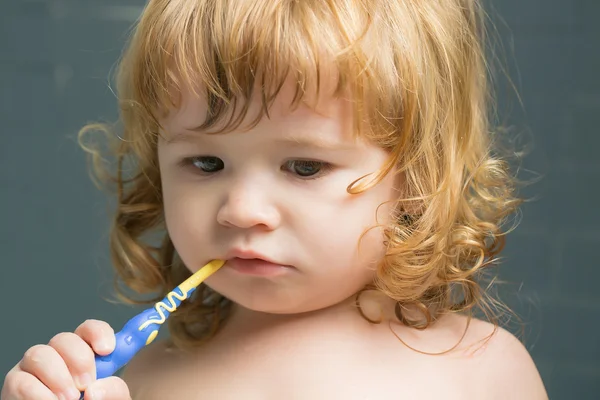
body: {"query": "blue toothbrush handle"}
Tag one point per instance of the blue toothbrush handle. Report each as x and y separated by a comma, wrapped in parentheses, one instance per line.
(126, 347)
(138, 332)
(142, 329)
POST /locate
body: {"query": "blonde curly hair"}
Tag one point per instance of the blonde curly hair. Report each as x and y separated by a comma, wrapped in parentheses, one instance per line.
(418, 77)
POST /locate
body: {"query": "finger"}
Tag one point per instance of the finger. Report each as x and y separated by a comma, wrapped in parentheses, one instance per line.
(111, 388)
(20, 385)
(99, 335)
(48, 366)
(78, 357)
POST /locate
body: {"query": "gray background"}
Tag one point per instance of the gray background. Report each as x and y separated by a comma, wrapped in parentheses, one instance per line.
(55, 57)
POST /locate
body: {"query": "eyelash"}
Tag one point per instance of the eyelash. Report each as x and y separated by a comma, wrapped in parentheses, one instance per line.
(325, 167)
(323, 170)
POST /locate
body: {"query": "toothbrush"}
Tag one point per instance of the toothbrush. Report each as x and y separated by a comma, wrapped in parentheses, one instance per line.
(142, 329)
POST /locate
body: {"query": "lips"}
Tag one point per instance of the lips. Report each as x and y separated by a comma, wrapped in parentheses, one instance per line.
(250, 255)
(253, 263)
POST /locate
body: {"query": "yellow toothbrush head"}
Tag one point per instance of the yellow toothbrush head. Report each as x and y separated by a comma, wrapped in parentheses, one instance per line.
(199, 276)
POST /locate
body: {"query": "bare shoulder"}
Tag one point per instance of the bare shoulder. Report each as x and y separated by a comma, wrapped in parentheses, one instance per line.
(506, 366)
(515, 371)
(149, 370)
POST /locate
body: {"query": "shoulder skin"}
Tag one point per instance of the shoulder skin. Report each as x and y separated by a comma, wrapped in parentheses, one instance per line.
(506, 365)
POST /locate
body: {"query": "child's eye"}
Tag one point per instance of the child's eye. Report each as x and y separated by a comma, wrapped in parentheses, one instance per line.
(207, 164)
(306, 168)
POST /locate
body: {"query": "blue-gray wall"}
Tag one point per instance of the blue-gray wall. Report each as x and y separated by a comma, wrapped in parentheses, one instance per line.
(55, 57)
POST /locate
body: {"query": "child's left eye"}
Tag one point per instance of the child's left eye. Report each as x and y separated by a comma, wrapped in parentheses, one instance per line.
(306, 168)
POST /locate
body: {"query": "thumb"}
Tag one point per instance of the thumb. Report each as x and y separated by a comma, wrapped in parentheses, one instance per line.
(110, 388)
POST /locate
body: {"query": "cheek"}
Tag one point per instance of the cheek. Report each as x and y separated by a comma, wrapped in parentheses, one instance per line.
(347, 233)
(367, 221)
(186, 221)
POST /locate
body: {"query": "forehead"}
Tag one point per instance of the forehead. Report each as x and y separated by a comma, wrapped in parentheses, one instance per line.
(315, 112)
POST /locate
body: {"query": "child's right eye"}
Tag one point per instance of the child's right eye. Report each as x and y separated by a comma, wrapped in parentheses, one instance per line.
(206, 164)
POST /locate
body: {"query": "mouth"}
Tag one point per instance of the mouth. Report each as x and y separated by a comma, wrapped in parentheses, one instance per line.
(251, 263)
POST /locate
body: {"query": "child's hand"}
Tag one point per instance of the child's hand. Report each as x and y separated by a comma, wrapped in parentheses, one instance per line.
(65, 367)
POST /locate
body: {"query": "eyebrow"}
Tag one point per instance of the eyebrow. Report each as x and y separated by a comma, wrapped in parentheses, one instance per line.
(315, 142)
(182, 137)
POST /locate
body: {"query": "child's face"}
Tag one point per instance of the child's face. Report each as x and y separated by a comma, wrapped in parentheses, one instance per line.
(255, 192)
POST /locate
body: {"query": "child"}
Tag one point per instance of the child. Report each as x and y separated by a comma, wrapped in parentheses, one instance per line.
(337, 154)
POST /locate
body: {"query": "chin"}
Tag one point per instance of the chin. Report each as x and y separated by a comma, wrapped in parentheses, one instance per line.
(280, 305)
(273, 306)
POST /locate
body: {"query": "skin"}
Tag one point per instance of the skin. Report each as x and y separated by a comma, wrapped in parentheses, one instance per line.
(58, 370)
(259, 201)
(281, 193)
(268, 199)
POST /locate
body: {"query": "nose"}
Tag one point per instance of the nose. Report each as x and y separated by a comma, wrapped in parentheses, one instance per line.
(248, 206)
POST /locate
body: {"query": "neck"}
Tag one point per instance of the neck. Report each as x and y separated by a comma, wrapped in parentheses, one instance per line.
(245, 321)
